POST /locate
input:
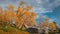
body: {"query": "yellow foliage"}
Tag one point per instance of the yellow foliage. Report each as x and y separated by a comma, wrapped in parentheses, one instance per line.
(26, 13)
(29, 7)
(22, 15)
(33, 14)
(33, 22)
(1, 10)
(19, 11)
(11, 6)
(53, 25)
(9, 15)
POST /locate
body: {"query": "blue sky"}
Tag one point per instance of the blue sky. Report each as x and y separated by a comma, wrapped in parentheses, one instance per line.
(44, 8)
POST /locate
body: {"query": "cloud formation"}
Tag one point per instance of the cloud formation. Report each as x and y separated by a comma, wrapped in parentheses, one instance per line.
(48, 5)
(40, 6)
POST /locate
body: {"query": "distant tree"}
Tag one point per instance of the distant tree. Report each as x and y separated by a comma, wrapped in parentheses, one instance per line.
(53, 25)
(46, 22)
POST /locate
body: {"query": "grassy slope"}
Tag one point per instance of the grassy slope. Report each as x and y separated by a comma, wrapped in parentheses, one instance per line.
(11, 30)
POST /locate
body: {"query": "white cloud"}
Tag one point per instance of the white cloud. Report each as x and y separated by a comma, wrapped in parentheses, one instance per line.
(42, 10)
(54, 4)
(52, 19)
(48, 4)
(39, 1)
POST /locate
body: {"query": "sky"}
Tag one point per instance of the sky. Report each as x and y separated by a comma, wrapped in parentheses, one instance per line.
(44, 8)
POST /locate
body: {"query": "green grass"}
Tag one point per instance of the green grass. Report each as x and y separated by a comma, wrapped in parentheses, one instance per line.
(8, 28)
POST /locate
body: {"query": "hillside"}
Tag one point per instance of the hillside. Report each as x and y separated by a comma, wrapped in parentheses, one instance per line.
(11, 30)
